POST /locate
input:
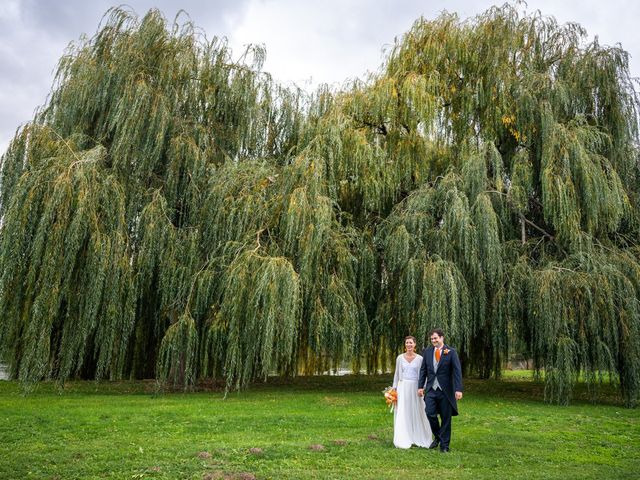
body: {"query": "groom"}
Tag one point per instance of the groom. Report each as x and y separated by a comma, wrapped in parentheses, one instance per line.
(442, 374)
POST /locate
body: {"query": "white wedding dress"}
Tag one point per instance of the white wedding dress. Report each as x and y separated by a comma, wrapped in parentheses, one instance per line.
(410, 424)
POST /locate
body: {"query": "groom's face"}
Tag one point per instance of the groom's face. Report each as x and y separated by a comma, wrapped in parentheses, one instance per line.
(437, 340)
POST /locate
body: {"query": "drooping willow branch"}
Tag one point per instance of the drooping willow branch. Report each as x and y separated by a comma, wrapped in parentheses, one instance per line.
(174, 213)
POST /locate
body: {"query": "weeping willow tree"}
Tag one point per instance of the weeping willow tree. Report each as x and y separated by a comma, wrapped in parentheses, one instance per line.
(529, 206)
(172, 212)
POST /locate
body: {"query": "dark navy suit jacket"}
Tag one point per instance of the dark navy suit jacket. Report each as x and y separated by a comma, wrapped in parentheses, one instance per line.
(449, 374)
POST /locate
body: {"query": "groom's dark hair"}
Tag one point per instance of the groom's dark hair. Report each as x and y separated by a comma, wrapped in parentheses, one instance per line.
(438, 331)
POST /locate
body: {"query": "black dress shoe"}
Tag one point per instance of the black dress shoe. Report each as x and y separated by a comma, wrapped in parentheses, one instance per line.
(444, 450)
(433, 445)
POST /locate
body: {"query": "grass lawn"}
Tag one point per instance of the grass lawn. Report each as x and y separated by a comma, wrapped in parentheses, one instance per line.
(124, 430)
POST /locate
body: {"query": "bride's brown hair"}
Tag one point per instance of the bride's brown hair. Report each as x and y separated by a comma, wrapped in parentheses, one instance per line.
(412, 338)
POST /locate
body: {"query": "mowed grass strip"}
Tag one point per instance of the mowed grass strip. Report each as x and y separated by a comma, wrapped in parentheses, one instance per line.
(310, 427)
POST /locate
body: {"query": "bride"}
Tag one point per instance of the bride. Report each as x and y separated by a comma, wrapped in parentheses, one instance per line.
(410, 424)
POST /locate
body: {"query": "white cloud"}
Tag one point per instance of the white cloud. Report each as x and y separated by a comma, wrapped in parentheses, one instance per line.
(9, 9)
(326, 42)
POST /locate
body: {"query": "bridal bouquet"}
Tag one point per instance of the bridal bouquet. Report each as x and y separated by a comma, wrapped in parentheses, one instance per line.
(391, 397)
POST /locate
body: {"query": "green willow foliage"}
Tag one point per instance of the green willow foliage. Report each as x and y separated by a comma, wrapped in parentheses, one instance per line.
(173, 212)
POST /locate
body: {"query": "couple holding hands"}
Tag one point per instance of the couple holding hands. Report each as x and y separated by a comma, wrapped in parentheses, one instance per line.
(428, 386)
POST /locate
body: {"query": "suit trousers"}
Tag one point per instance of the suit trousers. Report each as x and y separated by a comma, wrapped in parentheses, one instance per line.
(437, 403)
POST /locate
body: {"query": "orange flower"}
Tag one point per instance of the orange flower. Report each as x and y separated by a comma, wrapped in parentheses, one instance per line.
(390, 396)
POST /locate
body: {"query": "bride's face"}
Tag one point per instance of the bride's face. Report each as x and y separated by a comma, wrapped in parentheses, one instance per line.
(410, 345)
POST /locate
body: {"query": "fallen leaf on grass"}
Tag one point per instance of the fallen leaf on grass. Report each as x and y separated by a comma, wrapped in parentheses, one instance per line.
(228, 476)
(336, 401)
(316, 447)
(204, 455)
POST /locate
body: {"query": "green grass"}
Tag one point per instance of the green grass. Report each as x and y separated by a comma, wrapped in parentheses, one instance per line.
(124, 430)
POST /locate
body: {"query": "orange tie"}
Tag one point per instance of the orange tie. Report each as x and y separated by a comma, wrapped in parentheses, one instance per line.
(437, 355)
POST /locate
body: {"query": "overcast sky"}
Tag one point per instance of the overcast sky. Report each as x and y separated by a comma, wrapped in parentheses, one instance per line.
(308, 41)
